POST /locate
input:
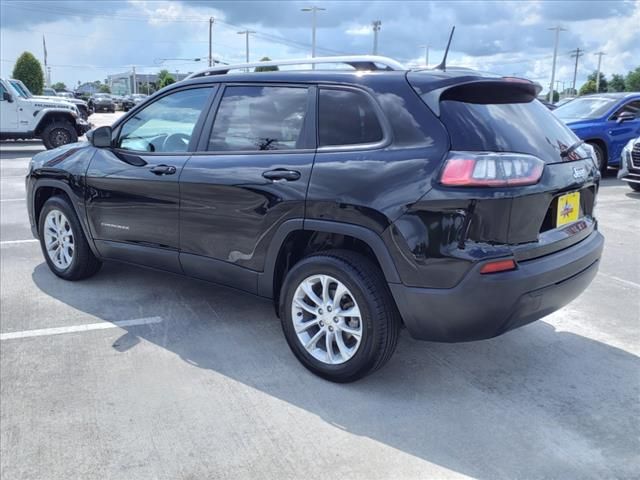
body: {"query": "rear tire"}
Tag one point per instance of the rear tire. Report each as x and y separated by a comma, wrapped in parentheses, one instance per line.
(367, 337)
(601, 161)
(58, 133)
(63, 243)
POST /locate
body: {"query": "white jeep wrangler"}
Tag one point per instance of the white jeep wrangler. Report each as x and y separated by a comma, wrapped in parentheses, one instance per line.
(56, 122)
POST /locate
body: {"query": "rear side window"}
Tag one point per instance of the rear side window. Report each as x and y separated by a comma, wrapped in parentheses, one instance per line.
(255, 118)
(527, 127)
(347, 117)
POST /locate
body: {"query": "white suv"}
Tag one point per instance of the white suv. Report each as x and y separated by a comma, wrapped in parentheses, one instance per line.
(56, 122)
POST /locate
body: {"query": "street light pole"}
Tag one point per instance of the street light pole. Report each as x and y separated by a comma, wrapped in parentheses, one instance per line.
(246, 33)
(557, 29)
(426, 54)
(313, 11)
(599, 54)
(376, 28)
(210, 35)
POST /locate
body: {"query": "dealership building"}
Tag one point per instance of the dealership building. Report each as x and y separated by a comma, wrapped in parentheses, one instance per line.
(133, 82)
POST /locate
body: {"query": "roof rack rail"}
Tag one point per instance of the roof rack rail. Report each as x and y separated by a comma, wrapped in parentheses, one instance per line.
(358, 62)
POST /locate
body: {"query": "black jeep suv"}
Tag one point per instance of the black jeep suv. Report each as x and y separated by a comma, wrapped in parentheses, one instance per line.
(451, 202)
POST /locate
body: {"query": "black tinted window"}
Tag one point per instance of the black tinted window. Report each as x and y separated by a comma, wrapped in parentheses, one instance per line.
(347, 118)
(509, 127)
(257, 118)
(631, 107)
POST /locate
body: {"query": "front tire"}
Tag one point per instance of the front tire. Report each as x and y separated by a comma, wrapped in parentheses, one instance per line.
(63, 243)
(57, 134)
(338, 315)
(634, 186)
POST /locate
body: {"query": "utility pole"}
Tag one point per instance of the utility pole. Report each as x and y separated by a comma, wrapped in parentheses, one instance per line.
(557, 29)
(313, 11)
(599, 54)
(577, 53)
(246, 33)
(426, 54)
(376, 28)
(135, 82)
(210, 32)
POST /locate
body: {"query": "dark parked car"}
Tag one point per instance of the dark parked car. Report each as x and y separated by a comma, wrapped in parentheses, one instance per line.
(607, 121)
(450, 202)
(132, 100)
(102, 102)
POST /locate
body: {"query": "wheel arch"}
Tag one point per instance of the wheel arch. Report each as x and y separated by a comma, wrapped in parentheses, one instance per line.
(51, 116)
(294, 237)
(46, 188)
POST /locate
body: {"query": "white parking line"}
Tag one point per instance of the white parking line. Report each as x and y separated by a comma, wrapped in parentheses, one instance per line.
(16, 242)
(12, 200)
(79, 328)
(621, 280)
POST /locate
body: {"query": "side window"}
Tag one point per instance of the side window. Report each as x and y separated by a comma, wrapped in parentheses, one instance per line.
(2, 90)
(167, 124)
(347, 117)
(633, 107)
(255, 118)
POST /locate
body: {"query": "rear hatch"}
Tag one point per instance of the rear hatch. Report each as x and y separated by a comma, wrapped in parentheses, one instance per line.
(498, 119)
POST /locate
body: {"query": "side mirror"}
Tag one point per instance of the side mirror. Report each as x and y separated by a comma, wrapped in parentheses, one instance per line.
(100, 137)
(7, 96)
(625, 117)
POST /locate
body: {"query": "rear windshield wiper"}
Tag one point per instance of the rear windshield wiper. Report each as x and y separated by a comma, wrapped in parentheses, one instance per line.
(565, 152)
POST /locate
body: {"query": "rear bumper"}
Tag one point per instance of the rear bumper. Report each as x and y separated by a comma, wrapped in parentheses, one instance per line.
(484, 306)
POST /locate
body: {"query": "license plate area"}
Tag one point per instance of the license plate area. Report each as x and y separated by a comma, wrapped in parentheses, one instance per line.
(567, 208)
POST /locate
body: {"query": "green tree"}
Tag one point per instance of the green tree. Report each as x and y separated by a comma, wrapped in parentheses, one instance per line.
(59, 86)
(589, 87)
(603, 82)
(632, 82)
(29, 70)
(104, 88)
(165, 78)
(616, 84)
(273, 68)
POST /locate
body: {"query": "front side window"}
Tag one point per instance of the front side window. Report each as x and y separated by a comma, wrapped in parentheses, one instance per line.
(255, 118)
(631, 107)
(167, 124)
(347, 117)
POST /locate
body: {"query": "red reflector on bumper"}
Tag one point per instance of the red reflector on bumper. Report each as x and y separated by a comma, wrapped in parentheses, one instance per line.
(498, 266)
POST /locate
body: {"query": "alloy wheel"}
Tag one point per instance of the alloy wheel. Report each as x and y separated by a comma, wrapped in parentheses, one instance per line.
(59, 137)
(326, 319)
(58, 239)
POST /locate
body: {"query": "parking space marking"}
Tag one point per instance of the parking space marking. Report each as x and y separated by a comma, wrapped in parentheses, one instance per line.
(12, 200)
(621, 280)
(79, 328)
(16, 242)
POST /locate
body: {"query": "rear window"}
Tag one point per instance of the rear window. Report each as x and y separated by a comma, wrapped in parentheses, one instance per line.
(347, 117)
(524, 127)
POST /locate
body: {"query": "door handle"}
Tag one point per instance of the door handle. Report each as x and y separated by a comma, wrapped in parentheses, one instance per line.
(281, 175)
(163, 169)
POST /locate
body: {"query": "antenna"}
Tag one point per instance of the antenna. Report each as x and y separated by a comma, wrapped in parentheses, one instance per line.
(443, 64)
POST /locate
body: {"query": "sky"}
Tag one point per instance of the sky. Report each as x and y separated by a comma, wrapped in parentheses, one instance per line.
(88, 40)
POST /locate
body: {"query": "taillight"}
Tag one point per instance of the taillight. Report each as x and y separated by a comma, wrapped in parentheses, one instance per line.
(498, 266)
(478, 169)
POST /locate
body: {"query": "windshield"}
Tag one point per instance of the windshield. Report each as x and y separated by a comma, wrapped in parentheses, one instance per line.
(21, 89)
(139, 95)
(584, 108)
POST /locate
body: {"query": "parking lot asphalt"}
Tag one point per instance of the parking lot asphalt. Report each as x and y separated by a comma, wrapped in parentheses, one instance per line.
(201, 383)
